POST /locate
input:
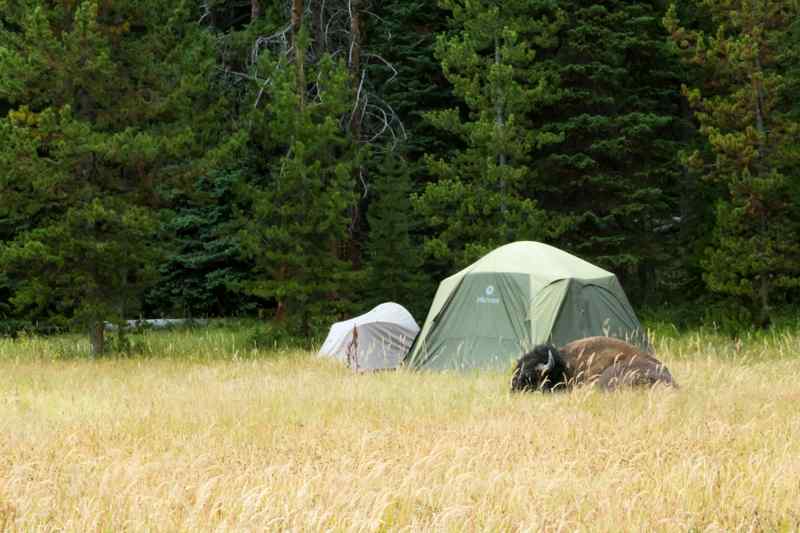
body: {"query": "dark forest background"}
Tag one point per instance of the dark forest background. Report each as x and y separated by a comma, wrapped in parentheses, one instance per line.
(303, 160)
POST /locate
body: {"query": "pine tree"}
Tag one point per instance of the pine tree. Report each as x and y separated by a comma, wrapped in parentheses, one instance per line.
(394, 263)
(485, 192)
(298, 221)
(203, 269)
(110, 103)
(745, 111)
(613, 170)
(10, 226)
(790, 56)
(410, 80)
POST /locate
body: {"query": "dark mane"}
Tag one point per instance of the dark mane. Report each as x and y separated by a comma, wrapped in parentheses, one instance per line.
(543, 368)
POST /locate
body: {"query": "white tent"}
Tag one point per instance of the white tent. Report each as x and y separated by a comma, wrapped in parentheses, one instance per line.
(376, 340)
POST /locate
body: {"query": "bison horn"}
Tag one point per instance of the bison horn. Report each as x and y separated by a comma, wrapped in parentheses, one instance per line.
(550, 363)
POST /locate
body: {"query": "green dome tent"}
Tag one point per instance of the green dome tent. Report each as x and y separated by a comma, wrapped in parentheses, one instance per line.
(519, 295)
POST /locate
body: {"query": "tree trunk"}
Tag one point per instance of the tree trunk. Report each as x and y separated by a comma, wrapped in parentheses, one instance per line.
(498, 104)
(299, 52)
(255, 9)
(306, 325)
(759, 108)
(356, 122)
(763, 304)
(317, 28)
(689, 189)
(762, 169)
(356, 39)
(502, 160)
(97, 338)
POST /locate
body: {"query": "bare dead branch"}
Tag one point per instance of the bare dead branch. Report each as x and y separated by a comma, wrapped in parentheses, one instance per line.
(280, 37)
(376, 56)
(358, 92)
(206, 11)
(374, 15)
(261, 92)
(363, 182)
(371, 119)
(384, 118)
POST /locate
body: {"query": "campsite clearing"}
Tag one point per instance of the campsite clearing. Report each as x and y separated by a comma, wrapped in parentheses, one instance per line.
(204, 435)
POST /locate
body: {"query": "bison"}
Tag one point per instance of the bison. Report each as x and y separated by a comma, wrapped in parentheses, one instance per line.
(606, 362)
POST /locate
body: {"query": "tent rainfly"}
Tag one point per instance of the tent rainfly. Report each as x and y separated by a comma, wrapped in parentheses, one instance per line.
(519, 295)
(376, 340)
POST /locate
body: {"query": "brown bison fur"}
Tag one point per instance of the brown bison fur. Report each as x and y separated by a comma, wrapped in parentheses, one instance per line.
(603, 361)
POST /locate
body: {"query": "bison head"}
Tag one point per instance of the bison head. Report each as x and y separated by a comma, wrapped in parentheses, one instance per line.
(542, 368)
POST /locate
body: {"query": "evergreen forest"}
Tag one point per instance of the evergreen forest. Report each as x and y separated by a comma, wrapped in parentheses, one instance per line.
(301, 161)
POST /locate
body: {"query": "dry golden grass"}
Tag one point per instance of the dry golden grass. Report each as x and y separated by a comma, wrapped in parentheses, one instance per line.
(204, 441)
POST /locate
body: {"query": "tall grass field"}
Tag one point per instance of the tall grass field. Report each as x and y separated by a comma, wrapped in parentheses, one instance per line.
(200, 432)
